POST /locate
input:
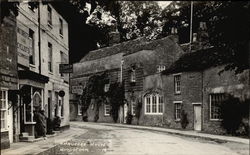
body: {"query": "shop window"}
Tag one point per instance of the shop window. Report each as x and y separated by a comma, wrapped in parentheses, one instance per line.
(215, 102)
(154, 104)
(3, 108)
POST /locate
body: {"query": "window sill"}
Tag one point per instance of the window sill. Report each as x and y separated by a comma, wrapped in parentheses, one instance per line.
(51, 73)
(4, 130)
(105, 115)
(32, 65)
(177, 93)
(30, 123)
(61, 35)
(216, 120)
(153, 113)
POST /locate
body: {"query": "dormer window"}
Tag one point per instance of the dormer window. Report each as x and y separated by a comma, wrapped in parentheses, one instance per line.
(160, 68)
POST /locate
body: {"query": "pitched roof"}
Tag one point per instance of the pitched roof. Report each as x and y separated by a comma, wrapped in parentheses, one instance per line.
(127, 48)
(199, 60)
(111, 50)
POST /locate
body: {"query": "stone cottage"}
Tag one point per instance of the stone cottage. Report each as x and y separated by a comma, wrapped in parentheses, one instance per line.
(195, 84)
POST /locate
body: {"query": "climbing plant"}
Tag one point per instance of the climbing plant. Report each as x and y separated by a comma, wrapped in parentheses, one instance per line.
(94, 91)
(116, 97)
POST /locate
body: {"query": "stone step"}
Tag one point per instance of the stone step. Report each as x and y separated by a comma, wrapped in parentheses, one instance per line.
(27, 139)
(25, 134)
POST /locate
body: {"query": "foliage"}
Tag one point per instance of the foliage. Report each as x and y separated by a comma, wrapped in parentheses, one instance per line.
(94, 90)
(138, 109)
(184, 119)
(7, 8)
(233, 111)
(116, 98)
(228, 26)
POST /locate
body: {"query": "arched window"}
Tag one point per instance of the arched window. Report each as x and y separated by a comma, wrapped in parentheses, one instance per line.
(153, 104)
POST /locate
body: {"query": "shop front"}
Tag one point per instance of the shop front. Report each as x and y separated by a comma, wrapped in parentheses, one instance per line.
(31, 87)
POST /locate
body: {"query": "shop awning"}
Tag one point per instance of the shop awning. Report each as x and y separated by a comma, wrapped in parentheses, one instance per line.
(27, 74)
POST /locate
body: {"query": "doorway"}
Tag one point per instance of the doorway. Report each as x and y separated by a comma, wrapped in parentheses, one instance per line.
(197, 116)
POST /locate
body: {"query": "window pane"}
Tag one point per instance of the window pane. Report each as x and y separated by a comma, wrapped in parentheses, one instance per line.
(148, 104)
(216, 100)
(154, 104)
(160, 104)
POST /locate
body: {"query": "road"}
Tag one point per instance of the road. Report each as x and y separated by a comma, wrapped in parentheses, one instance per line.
(109, 140)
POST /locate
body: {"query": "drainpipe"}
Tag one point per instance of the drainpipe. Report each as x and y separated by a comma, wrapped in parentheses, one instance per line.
(39, 37)
(191, 26)
(202, 92)
(121, 119)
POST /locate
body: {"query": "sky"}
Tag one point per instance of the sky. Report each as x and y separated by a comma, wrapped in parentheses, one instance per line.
(163, 4)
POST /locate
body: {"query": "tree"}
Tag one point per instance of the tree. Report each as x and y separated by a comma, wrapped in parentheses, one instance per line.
(7, 8)
(228, 27)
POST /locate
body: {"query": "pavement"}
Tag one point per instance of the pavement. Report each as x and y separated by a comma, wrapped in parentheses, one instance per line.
(41, 146)
(187, 133)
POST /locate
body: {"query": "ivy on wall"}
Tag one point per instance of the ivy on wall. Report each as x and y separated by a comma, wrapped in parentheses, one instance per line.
(94, 94)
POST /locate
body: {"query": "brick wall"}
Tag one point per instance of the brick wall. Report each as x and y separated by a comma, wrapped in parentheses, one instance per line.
(227, 82)
(190, 93)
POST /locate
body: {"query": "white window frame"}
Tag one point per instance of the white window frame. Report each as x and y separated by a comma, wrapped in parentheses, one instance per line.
(5, 110)
(175, 110)
(161, 68)
(133, 107)
(106, 87)
(79, 111)
(151, 104)
(132, 75)
(50, 57)
(210, 107)
(107, 106)
(176, 84)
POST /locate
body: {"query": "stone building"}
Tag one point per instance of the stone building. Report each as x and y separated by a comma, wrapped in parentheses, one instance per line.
(43, 45)
(8, 80)
(33, 47)
(138, 58)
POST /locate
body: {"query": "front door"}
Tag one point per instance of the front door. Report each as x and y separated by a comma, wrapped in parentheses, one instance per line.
(197, 117)
(125, 112)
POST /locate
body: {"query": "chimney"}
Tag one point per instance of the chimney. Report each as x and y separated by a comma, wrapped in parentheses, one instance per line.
(114, 35)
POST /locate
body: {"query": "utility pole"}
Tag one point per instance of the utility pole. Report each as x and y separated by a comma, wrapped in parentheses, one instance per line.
(191, 27)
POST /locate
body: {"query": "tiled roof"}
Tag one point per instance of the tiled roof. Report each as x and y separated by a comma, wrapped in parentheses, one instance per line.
(199, 60)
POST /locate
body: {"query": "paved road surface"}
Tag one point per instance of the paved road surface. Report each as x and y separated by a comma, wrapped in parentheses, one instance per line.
(108, 140)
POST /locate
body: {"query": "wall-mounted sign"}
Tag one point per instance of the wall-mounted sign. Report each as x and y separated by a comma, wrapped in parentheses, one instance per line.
(65, 68)
(24, 44)
(77, 90)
